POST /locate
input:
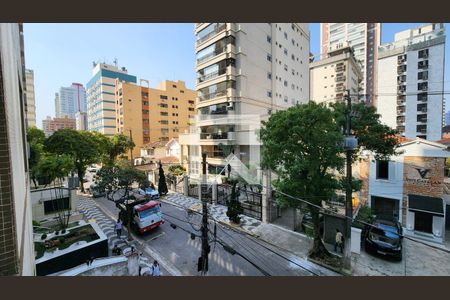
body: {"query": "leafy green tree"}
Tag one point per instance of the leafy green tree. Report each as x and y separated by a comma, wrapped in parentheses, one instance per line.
(56, 167)
(234, 206)
(304, 146)
(35, 138)
(162, 185)
(112, 147)
(117, 180)
(177, 170)
(81, 146)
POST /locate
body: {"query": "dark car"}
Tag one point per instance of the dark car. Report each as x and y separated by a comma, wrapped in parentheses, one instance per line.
(95, 192)
(385, 237)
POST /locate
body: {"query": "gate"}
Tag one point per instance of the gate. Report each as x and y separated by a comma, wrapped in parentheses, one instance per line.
(251, 200)
(207, 191)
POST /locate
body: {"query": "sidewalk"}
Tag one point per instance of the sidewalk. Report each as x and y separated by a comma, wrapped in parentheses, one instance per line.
(292, 242)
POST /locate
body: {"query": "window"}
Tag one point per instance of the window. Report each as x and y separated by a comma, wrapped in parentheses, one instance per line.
(163, 97)
(293, 72)
(293, 42)
(285, 83)
(173, 85)
(293, 57)
(56, 205)
(164, 122)
(285, 35)
(164, 113)
(422, 75)
(145, 111)
(269, 75)
(423, 53)
(163, 105)
(285, 51)
(285, 99)
(285, 67)
(181, 91)
(269, 94)
(382, 169)
(293, 86)
(191, 101)
(144, 95)
(269, 39)
(269, 57)
(191, 109)
(144, 102)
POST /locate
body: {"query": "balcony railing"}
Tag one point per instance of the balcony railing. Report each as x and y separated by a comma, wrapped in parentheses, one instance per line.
(401, 102)
(401, 111)
(423, 120)
(422, 110)
(212, 95)
(216, 136)
(212, 33)
(212, 54)
(340, 78)
(212, 75)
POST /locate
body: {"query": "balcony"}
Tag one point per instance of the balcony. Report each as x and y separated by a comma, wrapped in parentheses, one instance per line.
(423, 88)
(422, 110)
(339, 89)
(212, 33)
(401, 112)
(211, 55)
(210, 96)
(422, 120)
(401, 128)
(401, 121)
(401, 90)
(401, 70)
(340, 79)
(423, 65)
(401, 102)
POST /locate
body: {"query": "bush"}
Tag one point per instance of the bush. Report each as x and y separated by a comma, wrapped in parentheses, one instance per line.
(63, 231)
(36, 223)
(56, 232)
(43, 237)
(234, 206)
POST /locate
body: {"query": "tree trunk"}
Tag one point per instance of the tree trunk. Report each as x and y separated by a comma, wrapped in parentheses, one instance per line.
(80, 178)
(318, 250)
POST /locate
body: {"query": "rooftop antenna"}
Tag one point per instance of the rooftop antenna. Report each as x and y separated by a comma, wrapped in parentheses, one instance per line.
(115, 62)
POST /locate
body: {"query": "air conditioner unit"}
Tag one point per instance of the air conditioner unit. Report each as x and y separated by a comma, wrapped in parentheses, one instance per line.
(230, 106)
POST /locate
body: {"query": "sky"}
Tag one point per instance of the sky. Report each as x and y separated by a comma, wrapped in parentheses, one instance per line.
(61, 54)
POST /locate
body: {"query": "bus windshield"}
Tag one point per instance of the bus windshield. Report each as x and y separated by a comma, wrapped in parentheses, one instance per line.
(150, 211)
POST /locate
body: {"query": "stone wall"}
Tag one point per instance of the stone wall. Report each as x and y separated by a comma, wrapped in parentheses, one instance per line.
(422, 176)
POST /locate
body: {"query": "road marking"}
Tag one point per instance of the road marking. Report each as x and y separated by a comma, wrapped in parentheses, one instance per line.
(155, 237)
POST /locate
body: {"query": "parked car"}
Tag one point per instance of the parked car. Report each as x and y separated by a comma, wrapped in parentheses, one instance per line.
(149, 192)
(95, 192)
(385, 237)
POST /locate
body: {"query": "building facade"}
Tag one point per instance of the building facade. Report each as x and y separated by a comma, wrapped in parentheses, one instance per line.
(70, 100)
(153, 114)
(411, 82)
(412, 188)
(101, 108)
(332, 76)
(245, 71)
(16, 228)
(364, 38)
(30, 98)
(50, 125)
(81, 120)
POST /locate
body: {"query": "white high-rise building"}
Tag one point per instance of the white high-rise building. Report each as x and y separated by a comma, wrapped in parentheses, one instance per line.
(101, 105)
(70, 100)
(364, 38)
(245, 71)
(16, 227)
(411, 82)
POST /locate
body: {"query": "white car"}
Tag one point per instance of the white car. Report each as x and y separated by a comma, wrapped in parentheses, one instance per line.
(92, 169)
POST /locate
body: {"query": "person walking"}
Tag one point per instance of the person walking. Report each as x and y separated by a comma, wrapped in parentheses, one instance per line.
(339, 241)
(118, 228)
(155, 269)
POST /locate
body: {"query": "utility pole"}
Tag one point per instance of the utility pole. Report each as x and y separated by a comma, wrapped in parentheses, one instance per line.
(203, 260)
(350, 144)
(131, 149)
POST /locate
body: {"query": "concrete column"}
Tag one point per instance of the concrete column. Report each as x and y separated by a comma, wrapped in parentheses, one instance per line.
(266, 196)
(355, 240)
(186, 185)
(214, 192)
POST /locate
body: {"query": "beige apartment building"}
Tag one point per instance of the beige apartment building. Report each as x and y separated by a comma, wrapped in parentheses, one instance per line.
(50, 125)
(333, 75)
(30, 98)
(153, 114)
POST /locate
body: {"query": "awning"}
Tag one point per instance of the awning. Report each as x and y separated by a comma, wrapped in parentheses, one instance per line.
(431, 205)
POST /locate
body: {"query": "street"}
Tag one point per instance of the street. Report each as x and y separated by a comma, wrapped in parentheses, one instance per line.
(178, 249)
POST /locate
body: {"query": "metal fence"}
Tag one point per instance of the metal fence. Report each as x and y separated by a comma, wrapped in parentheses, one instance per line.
(249, 197)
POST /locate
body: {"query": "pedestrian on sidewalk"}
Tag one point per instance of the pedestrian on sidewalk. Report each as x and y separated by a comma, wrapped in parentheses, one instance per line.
(155, 269)
(339, 241)
(118, 228)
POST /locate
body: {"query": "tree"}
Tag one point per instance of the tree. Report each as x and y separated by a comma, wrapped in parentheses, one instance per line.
(112, 147)
(81, 146)
(117, 180)
(234, 206)
(177, 170)
(56, 167)
(304, 146)
(162, 185)
(35, 138)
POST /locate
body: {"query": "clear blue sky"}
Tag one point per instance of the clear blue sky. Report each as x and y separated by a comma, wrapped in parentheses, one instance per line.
(61, 54)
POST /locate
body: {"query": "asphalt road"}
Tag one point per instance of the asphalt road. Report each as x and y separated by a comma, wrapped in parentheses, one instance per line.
(253, 258)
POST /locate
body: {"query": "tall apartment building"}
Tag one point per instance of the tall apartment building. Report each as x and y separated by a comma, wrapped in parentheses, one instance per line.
(245, 71)
(81, 120)
(411, 82)
(365, 39)
(332, 76)
(30, 98)
(50, 125)
(153, 114)
(101, 87)
(70, 100)
(16, 228)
